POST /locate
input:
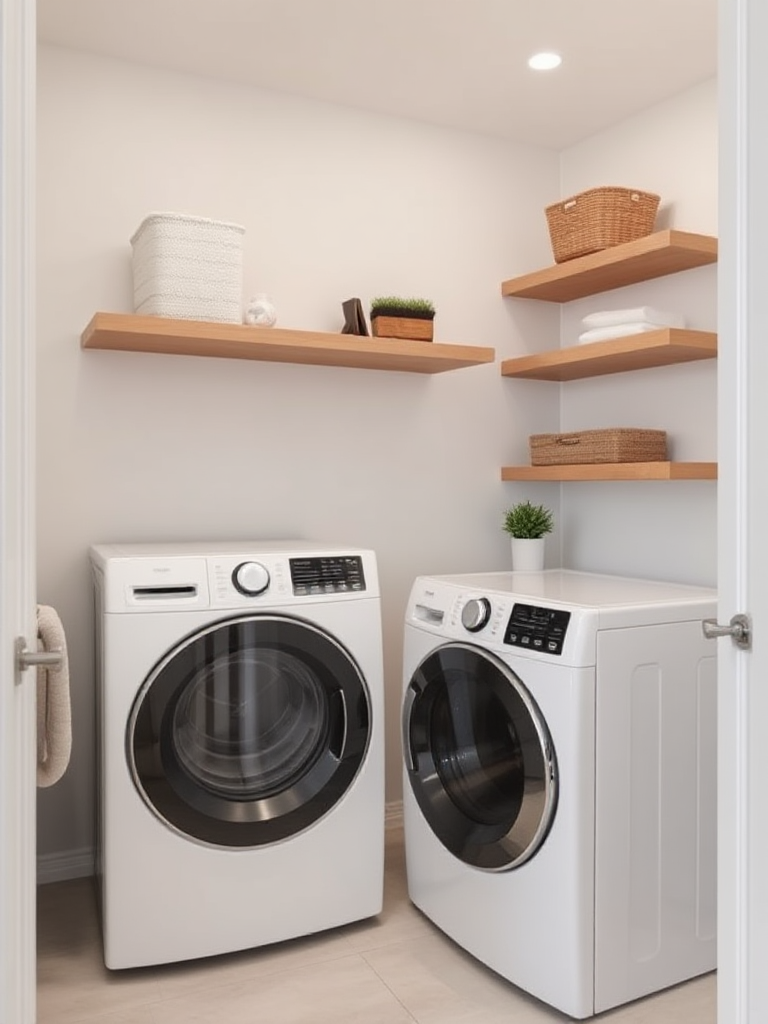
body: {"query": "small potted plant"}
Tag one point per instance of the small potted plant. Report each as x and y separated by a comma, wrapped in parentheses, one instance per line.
(527, 526)
(393, 317)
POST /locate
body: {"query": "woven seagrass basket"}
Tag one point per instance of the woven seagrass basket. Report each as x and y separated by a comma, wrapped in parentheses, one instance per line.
(617, 444)
(598, 219)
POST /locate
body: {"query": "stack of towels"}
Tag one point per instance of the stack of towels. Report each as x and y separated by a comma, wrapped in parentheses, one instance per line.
(615, 323)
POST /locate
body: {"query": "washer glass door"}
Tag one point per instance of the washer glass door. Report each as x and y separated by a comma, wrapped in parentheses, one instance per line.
(478, 757)
(249, 731)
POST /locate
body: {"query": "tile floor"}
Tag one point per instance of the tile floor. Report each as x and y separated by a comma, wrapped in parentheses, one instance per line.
(395, 969)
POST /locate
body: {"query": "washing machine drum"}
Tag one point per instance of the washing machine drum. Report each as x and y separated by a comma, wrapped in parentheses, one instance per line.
(249, 731)
(479, 757)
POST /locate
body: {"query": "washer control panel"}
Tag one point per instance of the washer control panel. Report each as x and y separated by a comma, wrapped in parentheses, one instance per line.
(538, 629)
(328, 574)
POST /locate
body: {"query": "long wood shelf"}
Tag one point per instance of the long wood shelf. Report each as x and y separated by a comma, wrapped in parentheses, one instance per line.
(665, 347)
(132, 333)
(615, 471)
(656, 255)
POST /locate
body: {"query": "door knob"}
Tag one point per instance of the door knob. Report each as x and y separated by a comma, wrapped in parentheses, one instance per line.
(739, 629)
(29, 659)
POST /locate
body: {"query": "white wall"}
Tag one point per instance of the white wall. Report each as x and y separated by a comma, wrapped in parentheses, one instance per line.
(653, 529)
(335, 203)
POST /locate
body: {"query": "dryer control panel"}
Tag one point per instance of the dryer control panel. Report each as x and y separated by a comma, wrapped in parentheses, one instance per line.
(538, 629)
(327, 575)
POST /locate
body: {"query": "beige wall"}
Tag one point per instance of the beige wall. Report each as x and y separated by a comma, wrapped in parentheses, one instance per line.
(651, 529)
(335, 203)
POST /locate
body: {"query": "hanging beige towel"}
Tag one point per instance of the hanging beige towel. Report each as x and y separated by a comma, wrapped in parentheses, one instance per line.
(54, 719)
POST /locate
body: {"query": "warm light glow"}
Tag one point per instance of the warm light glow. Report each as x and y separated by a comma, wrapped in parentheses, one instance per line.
(544, 61)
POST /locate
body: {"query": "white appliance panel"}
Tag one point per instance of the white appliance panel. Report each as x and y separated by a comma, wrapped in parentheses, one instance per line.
(544, 946)
(656, 822)
(619, 901)
(165, 896)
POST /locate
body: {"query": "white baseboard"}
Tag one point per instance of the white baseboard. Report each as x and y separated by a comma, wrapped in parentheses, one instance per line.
(393, 814)
(60, 867)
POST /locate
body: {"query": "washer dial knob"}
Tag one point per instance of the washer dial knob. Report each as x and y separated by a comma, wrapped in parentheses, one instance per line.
(475, 614)
(251, 578)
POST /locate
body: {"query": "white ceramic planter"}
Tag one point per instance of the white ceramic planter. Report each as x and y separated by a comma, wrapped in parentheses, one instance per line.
(527, 554)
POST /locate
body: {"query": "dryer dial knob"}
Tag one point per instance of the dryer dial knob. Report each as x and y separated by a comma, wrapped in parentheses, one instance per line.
(475, 614)
(251, 578)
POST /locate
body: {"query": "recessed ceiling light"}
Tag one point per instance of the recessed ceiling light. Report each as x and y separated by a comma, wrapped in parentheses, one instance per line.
(544, 61)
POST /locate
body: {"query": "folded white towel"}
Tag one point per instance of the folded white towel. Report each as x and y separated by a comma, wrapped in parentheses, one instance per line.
(619, 331)
(647, 314)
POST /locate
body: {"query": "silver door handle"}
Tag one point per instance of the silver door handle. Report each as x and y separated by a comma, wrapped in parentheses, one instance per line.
(408, 754)
(29, 659)
(739, 629)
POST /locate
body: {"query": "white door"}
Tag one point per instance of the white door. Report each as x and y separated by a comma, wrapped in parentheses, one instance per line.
(743, 513)
(17, 595)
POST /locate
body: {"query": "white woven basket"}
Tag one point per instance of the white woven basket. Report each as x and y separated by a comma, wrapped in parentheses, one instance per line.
(189, 268)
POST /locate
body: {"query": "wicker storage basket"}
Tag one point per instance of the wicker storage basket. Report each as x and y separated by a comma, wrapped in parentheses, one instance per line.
(403, 327)
(599, 218)
(189, 268)
(617, 444)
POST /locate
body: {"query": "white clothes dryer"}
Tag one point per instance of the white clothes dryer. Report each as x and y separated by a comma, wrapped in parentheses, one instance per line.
(559, 741)
(241, 746)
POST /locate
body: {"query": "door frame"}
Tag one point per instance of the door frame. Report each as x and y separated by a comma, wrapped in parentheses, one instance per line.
(742, 507)
(17, 525)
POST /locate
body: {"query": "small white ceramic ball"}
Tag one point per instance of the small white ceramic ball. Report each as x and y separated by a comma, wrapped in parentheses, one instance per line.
(260, 311)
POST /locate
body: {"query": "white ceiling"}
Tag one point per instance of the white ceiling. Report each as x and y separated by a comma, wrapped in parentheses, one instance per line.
(458, 63)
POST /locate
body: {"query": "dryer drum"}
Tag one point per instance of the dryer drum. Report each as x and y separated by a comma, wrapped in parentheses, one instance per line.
(479, 757)
(249, 731)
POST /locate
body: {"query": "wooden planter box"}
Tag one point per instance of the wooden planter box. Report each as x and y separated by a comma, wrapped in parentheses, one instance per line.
(409, 328)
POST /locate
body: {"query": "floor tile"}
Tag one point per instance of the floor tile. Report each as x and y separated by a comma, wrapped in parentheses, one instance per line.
(693, 1002)
(139, 1015)
(345, 991)
(439, 983)
(67, 913)
(397, 968)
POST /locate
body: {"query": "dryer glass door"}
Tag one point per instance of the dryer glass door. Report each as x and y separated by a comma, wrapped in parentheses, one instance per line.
(249, 731)
(478, 757)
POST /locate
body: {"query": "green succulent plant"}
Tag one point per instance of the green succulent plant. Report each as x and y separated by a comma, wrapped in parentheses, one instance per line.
(525, 520)
(393, 305)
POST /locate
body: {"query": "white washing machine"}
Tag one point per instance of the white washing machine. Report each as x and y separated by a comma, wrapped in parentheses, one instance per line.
(559, 733)
(241, 761)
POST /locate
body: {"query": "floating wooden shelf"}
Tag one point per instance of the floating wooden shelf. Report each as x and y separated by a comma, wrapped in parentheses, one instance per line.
(131, 333)
(656, 255)
(664, 347)
(615, 471)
